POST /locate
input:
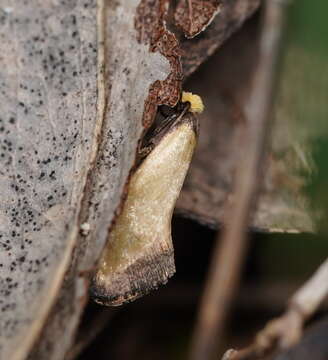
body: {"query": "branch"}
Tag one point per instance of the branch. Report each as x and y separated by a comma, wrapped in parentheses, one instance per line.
(286, 330)
(229, 253)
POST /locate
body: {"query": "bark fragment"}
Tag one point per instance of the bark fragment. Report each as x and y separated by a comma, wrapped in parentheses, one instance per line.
(232, 14)
(151, 27)
(193, 16)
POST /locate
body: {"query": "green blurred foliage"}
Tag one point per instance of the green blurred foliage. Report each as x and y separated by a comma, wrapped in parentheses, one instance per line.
(303, 103)
(318, 185)
(290, 257)
(308, 25)
(308, 37)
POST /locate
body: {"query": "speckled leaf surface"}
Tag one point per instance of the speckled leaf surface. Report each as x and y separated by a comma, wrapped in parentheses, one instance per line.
(48, 107)
(53, 95)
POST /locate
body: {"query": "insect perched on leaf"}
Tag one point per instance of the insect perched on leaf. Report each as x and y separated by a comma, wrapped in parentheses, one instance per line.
(139, 254)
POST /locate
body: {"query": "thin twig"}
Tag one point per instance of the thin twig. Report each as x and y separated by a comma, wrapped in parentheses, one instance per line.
(310, 296)
(190, 15)
(286, 330)
(228, 256)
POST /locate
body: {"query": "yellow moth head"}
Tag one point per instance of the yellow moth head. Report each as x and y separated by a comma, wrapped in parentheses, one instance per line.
(196, 102)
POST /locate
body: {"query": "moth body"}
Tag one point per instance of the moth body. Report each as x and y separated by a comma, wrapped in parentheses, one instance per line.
(139, 254)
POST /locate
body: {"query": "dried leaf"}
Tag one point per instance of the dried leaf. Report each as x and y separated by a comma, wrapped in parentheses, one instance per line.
(48, 87)
(193, 16)
(283, 204)
(231, 15)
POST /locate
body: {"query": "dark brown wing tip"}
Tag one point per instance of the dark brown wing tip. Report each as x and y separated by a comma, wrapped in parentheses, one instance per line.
(101, 296)
(139, 279)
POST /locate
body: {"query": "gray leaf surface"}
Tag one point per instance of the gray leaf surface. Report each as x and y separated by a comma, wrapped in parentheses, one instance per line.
(53, 99)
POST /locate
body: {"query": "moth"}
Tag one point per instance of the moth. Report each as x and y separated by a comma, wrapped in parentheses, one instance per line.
(139, 254)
